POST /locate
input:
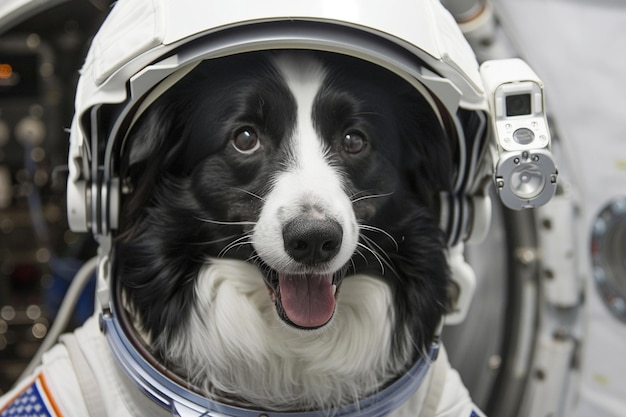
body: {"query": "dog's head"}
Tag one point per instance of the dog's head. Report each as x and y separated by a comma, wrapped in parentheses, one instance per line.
(312, 167)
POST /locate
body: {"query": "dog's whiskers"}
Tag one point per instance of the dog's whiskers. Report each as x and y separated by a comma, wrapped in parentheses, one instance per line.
(255, 259)
(210, 242)
(379, 230)
(353, 265)
(365, 197)
(376, 256)
(239, 242)
(378, 253)
(375, 246)
(250, 193)
(358, 252)
(226, 222)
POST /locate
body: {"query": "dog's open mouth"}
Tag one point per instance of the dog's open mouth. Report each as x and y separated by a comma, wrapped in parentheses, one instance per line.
(306, 301)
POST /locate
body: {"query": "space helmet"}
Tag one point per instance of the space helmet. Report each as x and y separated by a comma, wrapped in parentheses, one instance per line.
(148, 44)
(145, 47)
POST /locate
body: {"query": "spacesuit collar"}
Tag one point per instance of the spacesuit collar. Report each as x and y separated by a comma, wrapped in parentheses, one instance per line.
(182, 402)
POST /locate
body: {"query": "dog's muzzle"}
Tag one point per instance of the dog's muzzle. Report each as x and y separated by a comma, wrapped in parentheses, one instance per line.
(312, 241)
(306, 298)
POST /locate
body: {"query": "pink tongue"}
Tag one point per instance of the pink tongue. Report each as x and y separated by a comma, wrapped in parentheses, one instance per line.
(308, 300)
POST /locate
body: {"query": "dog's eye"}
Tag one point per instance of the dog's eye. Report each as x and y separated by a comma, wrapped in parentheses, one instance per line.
(246, 140)
(354, 142)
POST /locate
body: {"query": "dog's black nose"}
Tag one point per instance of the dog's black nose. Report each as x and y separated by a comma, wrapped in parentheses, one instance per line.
(312, 241)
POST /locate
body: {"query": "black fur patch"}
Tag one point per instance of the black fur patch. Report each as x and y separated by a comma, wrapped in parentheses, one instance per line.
(188, 178)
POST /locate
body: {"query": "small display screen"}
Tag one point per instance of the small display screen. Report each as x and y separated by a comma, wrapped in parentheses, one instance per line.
(518, 105)
(18, 75)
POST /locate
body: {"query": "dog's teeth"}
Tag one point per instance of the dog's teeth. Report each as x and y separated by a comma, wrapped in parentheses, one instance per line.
(334, 289)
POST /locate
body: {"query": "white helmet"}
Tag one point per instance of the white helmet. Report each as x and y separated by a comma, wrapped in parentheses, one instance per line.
(144, 42)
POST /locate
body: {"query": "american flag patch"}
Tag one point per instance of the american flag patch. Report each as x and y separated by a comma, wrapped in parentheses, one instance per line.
(34, 401)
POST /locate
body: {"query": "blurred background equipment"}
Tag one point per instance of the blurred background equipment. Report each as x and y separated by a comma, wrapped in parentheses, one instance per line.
(575, 300)
(517, 350)
(581, 63)
(42, 45)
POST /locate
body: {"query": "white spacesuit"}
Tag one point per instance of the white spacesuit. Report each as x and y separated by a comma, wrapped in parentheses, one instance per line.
(82, 377)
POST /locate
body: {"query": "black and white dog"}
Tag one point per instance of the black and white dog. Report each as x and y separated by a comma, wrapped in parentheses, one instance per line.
(279, 246)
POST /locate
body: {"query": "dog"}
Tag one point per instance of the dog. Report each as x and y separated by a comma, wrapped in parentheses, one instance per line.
(279, 245)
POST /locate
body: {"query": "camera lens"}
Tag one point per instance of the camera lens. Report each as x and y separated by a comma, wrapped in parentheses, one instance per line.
(527, 181)
(518, 105)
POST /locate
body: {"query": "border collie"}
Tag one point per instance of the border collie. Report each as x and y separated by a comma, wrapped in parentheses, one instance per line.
(280, 245)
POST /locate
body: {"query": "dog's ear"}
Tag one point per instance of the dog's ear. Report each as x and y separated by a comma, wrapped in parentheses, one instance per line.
(428, 149)
(148, 146)
(142, 162)
(148, 136)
